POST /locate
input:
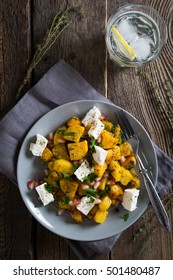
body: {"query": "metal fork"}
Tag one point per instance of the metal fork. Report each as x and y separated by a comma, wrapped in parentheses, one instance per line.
(155, 200)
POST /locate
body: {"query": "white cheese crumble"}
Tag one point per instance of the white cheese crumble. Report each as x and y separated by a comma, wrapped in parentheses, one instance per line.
(86, 204)
(96, 129)
(130, 199)
(38, 147)
(99, 155)
(83, 170)
(44, 195)
(91, 116)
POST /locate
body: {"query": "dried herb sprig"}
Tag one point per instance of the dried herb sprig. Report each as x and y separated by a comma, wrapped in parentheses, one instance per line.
(157, 95)
(60, 22)
(147, 230)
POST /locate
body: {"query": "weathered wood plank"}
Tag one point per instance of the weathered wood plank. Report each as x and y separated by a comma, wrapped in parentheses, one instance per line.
(15, 220)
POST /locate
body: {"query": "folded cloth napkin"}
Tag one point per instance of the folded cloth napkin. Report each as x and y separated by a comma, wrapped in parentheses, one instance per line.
(61, 84)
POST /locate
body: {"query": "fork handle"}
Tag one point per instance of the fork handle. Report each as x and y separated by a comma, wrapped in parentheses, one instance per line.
(156, 201)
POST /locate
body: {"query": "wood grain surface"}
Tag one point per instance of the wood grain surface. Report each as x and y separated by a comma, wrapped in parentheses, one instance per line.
(23, 24)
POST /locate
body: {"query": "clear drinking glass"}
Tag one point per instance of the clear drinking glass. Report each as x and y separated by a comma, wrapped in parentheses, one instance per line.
(142, 28)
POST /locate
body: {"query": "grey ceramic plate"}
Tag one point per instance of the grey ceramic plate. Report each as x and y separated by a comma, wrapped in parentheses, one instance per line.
(30, 167)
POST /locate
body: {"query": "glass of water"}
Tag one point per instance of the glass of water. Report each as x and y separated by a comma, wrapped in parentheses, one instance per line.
(135, 35)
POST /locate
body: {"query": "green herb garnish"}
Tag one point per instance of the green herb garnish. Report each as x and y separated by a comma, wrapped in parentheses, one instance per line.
(102, 193)
(91, 191)
(75, 167)
(48, 188)
(91, 146)
(68, 133)
(65, 200)
(120, 137)
(87, 180)
(125, 217)
(75, 118)
(65, 133)
(91, 198)
(65, 175)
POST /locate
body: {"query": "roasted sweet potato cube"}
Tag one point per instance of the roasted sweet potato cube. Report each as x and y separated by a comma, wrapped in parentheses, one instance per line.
(53, 178)
(69, 187)
(58, 135)
(100, 169)
(125, 149)
(74, 133)
(129, 162)
(100, 216)
(135, 182)
(126, 176)
(105, 203)
(103, 182)
(108, 140)
(60, 151)
(115, 169)
(115, 191)
(109, 156)
(47, 155)
(74, 121)
(78, 150)
(50, 164)
(77, 216)
(63, 166)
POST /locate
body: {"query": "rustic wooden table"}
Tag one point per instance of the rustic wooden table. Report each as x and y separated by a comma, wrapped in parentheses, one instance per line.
(23, 25)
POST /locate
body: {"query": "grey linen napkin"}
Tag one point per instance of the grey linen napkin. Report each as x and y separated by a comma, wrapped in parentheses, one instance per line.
(61, 84)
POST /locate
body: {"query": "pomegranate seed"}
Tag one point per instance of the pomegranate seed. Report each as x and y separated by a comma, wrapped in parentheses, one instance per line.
(111, 182)
(102, 117)
(31, 184)
(105, 174)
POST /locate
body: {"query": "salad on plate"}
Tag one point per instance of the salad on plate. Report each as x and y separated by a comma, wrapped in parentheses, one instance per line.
(89, 168)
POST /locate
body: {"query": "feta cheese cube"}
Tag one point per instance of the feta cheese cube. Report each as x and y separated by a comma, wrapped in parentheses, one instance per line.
(83, 170)
(86, 204)
(96, 129)
(99, 155)
(44, 195)
(130, 199)
(38, 147)
(91, 116)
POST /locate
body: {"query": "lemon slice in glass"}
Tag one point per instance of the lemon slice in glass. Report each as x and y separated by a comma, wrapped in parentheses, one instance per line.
(122, 44)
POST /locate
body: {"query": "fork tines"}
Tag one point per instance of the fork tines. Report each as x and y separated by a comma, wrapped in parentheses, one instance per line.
(125, 124)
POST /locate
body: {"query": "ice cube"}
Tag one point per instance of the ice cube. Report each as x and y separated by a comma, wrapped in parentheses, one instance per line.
(127, 31)
(142, 47)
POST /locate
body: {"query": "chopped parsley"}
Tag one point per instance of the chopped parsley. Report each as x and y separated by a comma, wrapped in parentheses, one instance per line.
(65, 200)
(125, 217)
(93, 143)
(89, 178)
(65, 175)
(68, 133)
(91, 198)
(102, 193)
(120, 137)
(91, 191)
(65, 133)
(75, 167)
(48, 188)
